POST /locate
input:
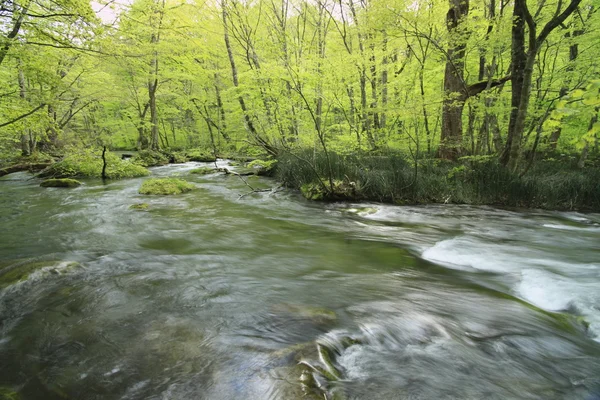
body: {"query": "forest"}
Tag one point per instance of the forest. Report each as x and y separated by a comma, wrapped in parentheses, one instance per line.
(459, 101)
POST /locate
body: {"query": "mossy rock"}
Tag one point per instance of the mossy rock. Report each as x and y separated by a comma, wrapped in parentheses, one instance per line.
(7, 393)
(165, 186)
(87, 163)
(149, 158)
(140, 206)
(61, 183)
(200, 156)
(203, 171)
(20, 271)
(179, 157)
(264, 168)
(340, 191)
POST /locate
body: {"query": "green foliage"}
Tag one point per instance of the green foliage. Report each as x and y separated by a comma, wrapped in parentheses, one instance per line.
(61, 183)
(149, 158)
(87, 163)
(165, 186)
(392, 178)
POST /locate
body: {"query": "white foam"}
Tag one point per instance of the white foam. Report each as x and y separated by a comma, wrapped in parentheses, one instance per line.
(466, 253)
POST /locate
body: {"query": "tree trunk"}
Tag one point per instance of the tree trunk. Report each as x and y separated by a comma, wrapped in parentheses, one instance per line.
(247, 119)
(152, 86)
(586, 148)
(25, 150)
(573, 54)
(454, 84)
(522, 71)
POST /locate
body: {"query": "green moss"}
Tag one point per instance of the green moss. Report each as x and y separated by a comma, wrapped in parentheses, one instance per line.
(179, 157)
(341, 191)
(149, 158)
(200, 155)
(165, 186)
(203, 171)
(140, 206)
(7, 393)
(61, 182)
(87, 163)
(20, 271)
(264, 168)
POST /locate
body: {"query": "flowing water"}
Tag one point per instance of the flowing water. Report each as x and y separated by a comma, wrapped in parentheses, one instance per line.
(211, 296)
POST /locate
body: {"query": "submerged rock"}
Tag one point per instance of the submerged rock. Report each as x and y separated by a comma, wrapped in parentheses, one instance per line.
(263, 168)
(140, 206)
(16, 272)
(61, 182)
(203, 171)
(165, 186)
(7, 393)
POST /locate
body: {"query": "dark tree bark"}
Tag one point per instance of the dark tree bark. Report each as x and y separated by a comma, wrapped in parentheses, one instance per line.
(522, 61)
(454, 83)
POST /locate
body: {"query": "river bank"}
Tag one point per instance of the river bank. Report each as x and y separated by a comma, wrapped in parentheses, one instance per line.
(392, 178)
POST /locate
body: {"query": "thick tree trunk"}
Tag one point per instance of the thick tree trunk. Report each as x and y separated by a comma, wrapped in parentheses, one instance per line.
(522, 71)
(454, 84)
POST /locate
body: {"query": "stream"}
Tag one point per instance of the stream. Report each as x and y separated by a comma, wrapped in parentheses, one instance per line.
(214, 295)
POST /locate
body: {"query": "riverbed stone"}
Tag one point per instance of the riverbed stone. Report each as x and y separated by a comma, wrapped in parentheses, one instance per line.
(140, 206)
(203, 171)
(61, 183)
(16, 272)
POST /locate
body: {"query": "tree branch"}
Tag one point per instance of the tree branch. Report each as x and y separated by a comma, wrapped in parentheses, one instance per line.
(12, 121)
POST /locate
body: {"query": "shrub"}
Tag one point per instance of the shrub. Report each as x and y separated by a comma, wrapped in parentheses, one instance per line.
(165, 186)
(393, 177)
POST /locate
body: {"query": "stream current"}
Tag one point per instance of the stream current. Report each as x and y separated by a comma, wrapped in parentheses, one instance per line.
(211, 296)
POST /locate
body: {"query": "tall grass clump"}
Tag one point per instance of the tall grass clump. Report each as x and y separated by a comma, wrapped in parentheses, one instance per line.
(394, 177)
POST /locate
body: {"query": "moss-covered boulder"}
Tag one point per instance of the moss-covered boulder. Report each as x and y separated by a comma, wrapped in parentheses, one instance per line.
(200, 155)
(263, 168)
(87, 163)
(61, 183)
(19, 271)
(7, 393)
(178, 157)
(140, 206)
(165, 186)
(203, 171)
(149, 158)
(340, 191)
